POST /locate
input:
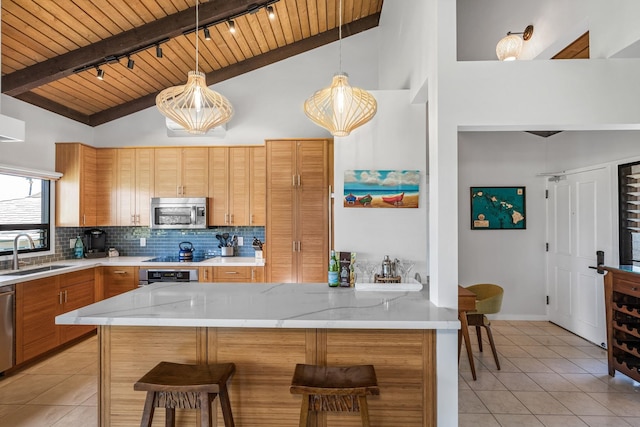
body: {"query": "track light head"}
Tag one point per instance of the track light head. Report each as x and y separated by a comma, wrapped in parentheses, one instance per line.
(232, 26)
(207, 34)
(271, 12)
(158, 51)
(130, 63)
(99, 73)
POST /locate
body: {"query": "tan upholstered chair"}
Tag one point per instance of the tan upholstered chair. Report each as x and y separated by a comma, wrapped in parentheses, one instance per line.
(488, 301)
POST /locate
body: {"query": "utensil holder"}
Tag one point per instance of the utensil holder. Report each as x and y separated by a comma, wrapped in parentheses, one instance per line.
(226, 251)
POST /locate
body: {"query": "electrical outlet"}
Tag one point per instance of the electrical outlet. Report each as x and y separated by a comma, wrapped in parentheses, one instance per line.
(72, 243)
(143, 241)
(240, 241)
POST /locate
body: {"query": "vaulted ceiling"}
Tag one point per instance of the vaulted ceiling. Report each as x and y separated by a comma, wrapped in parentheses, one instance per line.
(51, 49)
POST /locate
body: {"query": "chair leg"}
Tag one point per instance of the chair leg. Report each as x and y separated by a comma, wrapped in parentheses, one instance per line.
(205, 409)
(147, 413)
(479, 334)
(170, 417)
(493, 346)
(304, 410)
(225, 405)
(364, 411)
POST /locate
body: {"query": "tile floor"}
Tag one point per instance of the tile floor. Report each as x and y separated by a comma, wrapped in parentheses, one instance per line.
(549, 377)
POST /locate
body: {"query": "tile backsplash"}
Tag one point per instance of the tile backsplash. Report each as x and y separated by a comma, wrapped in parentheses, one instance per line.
(157, 242)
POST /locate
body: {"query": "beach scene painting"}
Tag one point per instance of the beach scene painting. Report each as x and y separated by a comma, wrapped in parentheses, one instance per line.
(381, 188)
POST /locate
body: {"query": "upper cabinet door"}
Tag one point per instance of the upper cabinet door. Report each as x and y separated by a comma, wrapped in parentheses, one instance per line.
(239, 186)
(76, 190)
(106, 187)
(218, 186)
(181, 172)
(167, 172)
(258, 186)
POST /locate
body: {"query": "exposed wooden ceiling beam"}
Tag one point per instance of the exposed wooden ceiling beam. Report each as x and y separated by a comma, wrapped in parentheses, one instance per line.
(251, 64)
(53, 69)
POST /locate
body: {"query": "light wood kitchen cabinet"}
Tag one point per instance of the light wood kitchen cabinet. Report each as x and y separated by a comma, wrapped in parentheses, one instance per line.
(76, 191)
(106, 187)
(118, 280)
(181, 172)
(236, 186)
(135, 182)
(233, 274)
(297, 227)
(39, 301)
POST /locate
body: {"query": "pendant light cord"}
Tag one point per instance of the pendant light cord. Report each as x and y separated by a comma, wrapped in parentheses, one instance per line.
(198, 35)
(340, 36)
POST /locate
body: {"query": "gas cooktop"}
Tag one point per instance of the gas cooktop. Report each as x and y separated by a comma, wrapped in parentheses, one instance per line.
(196, 258)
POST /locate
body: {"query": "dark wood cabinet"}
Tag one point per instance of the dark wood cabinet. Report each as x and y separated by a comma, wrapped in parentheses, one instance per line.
(622, 300)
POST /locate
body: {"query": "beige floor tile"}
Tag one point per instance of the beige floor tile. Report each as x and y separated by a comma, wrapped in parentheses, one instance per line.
(569, 351)
(539, 351)
(502, 402)
(621, 382)
(36, 416)
(621, 404)
(92, 369)
(6, 410)
(593, 366)
(10, 379)
(92, 400)
(64, 363)
(530, 330)
(580, 403)
(29, 387)
(517, 381)
(595, 352)
(501, 340)
(512, 351)
(462, 384)
(562, 366)
(634, 421)
(507, 420)
(594, 421)
(589, 383)
(575, 340)
(553, 382)
(81, 416)
(507, 366)
(523, 340)
(73, 391)
(561, 421)
(89, 345)
(470, 403)
(548, 340)
(530, 364)
(485, 381)
(477, 420)
(541, 402)
(498, 328)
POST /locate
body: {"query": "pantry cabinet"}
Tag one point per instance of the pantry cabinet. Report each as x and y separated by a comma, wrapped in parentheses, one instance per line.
(106, 187)
(181, 172)
(258, 186)
(76, 191)
(135, 182)
(39, 301)
(297, 226)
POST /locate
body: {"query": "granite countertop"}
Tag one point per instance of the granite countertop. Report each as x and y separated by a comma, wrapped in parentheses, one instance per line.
(248, 305)
(70, 265)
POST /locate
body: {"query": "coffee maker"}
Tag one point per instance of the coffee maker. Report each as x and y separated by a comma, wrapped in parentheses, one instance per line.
(95, 243)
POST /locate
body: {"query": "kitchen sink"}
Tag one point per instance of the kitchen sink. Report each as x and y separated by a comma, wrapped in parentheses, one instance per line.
(34, 270)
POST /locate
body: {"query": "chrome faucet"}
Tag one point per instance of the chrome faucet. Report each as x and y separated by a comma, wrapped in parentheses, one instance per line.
(16, 265)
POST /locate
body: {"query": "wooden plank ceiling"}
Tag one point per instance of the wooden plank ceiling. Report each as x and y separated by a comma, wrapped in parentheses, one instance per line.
(50, 48)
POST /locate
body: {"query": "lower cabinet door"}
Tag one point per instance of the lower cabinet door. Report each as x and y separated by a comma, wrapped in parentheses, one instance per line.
(37, 305)
(74, 297)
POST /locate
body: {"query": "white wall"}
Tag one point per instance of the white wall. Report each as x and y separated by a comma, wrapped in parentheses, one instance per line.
(513, 259)
(393, 140)
(268, 101)
(43, 130)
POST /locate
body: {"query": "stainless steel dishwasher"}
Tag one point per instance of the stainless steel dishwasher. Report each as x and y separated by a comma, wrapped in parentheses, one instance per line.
(7, 327)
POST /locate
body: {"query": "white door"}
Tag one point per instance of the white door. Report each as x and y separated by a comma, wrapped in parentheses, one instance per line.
(579, 210)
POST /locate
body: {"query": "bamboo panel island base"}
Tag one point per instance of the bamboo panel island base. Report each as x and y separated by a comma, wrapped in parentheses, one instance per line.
(265, 330)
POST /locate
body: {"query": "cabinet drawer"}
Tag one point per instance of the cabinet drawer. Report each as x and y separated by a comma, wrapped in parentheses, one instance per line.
(626, 287)
(118, 280)
(70, 279)
(232, 274)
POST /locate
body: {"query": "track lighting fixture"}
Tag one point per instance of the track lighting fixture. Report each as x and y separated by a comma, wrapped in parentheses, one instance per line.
(271, 12)
(130, 63)
(232, 26)
(99, 73)
(207, 34)
(158, 51)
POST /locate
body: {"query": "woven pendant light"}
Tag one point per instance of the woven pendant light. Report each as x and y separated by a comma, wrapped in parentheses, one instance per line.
(193, 105)
(340, 108)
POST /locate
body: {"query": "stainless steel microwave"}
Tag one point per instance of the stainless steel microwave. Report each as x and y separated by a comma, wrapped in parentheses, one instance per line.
(179, 212)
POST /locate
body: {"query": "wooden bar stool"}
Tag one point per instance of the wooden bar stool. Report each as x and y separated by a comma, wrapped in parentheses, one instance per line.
(334, 389)
(175, 385)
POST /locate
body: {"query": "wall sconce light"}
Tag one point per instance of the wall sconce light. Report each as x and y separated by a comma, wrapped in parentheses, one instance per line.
(207, 34)
(130, 63)
(232, 26)
(271, 12)
(158, 51)
(509, 48)
(99, 73)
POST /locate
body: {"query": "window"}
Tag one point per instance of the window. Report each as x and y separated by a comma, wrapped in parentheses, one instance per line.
(629, 213)
(24, 209)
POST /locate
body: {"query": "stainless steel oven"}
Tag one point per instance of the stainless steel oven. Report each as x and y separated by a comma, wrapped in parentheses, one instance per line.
(147, 276)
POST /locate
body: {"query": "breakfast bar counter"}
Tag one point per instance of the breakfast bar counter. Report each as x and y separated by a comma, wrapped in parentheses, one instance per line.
(266, 329)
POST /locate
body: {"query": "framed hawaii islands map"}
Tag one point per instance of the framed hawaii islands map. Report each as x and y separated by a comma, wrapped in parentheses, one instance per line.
(498, 208)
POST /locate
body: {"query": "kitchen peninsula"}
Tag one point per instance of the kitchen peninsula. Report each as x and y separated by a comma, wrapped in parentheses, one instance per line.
(266, 329)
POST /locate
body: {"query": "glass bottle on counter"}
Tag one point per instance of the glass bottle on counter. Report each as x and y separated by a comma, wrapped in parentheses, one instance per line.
(78, 249)
(333, 270)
